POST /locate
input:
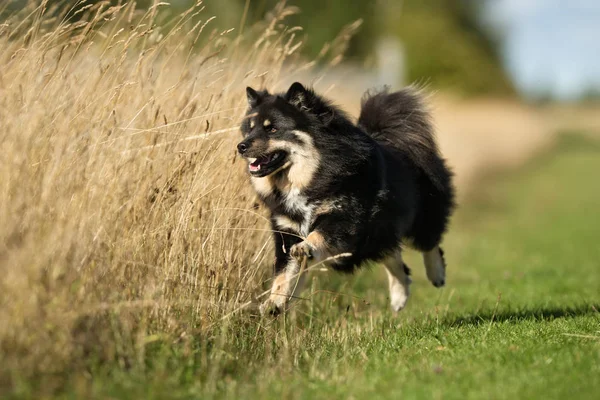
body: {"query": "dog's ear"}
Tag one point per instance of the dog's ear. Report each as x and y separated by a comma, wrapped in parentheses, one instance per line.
(297, 95)
(254, 98)
(306, 100)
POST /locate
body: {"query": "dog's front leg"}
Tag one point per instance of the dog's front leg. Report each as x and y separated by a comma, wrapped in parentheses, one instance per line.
(287, 284)
(313, 248)
(288, 279)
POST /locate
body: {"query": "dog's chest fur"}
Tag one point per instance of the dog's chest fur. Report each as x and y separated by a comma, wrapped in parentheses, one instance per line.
(290, 208)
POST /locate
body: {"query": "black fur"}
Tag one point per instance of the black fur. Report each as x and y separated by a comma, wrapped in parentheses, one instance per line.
(401, 123)
(380, 181)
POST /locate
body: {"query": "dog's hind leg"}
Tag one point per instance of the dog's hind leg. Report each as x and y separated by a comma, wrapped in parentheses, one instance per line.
(435, 266)
(399, 279)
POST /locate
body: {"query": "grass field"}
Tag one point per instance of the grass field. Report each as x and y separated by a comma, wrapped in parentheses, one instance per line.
(519, 318)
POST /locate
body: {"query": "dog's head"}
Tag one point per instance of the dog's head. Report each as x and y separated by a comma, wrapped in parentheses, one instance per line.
(278, 132)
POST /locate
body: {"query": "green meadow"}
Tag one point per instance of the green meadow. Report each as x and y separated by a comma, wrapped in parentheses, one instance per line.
(519, 317)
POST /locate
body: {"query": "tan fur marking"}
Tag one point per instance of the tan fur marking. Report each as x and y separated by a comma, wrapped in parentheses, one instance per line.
(275, 145)
(279, 285)
(305, 159)
(266, 122)
(287, 285)
(321, 249)
(324, 208)
(305, 162)
(263, 186)
(252, 123)
(316, 240)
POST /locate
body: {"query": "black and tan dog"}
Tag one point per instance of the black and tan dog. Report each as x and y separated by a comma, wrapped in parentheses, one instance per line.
(335, 187)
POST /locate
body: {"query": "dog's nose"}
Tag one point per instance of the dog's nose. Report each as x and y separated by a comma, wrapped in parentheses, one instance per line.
(242, 147)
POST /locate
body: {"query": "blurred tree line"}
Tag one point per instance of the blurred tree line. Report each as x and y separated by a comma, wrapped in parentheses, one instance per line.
(444, 42)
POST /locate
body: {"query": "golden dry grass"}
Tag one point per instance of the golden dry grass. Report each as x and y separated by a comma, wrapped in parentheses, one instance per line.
(123, 207)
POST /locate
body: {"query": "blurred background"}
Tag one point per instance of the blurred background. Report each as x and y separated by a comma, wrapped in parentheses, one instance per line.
(539, 50)
(505, 74)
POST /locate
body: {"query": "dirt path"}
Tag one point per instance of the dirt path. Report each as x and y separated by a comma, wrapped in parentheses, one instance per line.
(483, 134)
(480, 135)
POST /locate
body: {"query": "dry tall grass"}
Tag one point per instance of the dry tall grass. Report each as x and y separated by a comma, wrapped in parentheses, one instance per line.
(124, 211)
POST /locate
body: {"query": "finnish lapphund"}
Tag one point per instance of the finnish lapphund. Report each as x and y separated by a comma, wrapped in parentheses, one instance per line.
(335, 187)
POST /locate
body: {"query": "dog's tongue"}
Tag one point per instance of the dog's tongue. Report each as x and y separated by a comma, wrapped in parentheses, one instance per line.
(255, 166)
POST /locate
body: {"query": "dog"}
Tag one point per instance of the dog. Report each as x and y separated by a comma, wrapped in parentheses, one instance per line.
(335, 188)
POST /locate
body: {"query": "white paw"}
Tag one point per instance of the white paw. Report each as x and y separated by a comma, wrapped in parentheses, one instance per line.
(399, 297)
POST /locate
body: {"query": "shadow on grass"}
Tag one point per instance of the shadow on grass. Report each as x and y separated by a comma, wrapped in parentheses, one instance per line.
(534, 314)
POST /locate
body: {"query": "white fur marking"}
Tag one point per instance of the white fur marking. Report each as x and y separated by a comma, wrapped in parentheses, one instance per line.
(252, 123)
(399, 282)
(294, 201)
(266, 122)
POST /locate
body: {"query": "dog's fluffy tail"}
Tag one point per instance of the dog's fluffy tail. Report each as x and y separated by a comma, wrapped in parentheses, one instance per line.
(400, 120)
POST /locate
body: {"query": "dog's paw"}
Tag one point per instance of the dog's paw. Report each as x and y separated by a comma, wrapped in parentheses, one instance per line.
(435, 267)
(398, 299)
(301, 250)
(439, 283)
(400, 290)
(270, 308)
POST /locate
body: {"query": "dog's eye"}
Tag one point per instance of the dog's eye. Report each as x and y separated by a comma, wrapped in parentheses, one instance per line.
(272, 129)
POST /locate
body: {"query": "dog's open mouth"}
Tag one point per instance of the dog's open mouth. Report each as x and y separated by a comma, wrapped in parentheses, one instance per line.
(267, 164)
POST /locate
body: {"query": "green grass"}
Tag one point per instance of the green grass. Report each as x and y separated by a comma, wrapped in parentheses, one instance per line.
(519, 318)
